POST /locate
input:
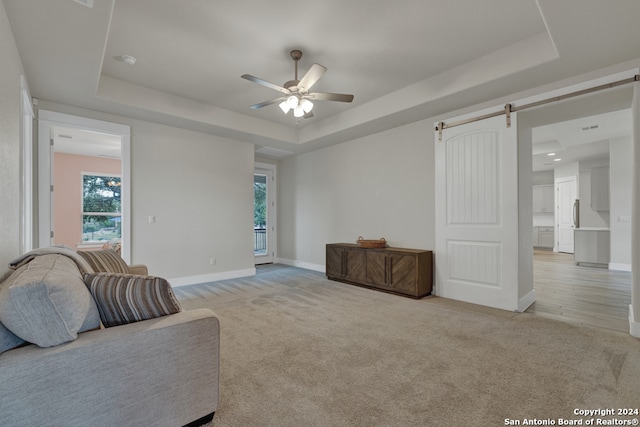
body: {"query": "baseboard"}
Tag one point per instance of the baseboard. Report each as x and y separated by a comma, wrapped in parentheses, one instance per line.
(306, 265)
(526, 301)
(619, 267)
(212, 277)
(634, 327)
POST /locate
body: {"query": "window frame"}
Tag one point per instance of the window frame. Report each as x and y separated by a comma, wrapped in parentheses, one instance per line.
(83, 174)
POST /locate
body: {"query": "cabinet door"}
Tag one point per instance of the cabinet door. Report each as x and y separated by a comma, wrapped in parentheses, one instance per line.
(600, 188)
(538, 199)
(377, 268)
(548, 199)
(334, 261)
(402, 272)
(545, 238)
(543, 199)
(355, 265)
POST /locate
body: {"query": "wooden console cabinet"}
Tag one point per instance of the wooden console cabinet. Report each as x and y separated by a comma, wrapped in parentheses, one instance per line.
(407, 272)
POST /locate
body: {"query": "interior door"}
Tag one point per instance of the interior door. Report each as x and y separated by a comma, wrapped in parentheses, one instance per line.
(567, 211)
(477, 213)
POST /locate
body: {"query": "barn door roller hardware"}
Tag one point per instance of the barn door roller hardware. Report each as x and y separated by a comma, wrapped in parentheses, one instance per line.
(509, 108)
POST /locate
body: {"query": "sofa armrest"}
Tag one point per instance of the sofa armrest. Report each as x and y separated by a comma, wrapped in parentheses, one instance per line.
(162, 371)
(140, 269)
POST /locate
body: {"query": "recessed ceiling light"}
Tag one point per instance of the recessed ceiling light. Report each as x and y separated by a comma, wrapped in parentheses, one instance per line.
(551, 154)
(556, 160)
(128, 59)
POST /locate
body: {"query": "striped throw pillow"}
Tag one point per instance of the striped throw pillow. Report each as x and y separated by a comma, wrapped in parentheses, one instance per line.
(105, 261)
(128, 298)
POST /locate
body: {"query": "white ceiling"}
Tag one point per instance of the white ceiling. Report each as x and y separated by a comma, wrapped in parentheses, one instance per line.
(586, 138)
(86, 143)
(404, 60)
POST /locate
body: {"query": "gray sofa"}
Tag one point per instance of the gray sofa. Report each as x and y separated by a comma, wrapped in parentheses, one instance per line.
(161, 371)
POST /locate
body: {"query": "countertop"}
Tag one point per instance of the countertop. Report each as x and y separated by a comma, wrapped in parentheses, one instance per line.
(592, 229)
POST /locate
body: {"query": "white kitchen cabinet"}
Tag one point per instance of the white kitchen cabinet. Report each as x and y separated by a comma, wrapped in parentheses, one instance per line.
(545, 237)
(543, 199)
(600, 188)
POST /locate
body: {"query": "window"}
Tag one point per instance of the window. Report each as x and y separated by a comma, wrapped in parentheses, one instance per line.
(101, 214)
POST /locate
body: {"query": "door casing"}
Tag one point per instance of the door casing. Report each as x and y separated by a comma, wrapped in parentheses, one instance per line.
(46, 120)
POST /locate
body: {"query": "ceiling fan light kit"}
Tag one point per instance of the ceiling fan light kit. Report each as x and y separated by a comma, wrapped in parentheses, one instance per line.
(293, 100)
(284, 107)
(296, 95)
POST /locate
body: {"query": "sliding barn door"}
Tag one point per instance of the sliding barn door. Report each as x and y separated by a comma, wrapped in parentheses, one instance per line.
(477, 213)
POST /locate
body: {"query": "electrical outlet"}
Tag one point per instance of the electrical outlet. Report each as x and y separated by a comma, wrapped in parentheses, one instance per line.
(212, 261)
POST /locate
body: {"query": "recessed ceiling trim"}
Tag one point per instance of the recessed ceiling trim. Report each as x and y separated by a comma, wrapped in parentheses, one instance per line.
(273, 152)
(87, 3)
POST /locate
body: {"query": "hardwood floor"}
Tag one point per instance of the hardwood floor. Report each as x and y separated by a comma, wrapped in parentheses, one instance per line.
(580, 294)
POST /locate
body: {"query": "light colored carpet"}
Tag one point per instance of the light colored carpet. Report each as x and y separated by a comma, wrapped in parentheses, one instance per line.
(300, 350)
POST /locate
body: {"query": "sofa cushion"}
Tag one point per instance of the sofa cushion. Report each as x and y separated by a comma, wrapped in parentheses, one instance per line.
(105, 261)
(128, 298)
(8, 339)
(46, 303)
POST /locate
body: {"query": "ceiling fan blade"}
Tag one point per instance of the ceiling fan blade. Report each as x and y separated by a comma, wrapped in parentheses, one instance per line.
(265, 83)
(308, 115)
(269, 102)
(313, 75)
(340, 97)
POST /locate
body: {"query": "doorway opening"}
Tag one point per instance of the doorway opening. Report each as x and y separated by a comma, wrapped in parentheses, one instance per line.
(71, 148)
(573, 143)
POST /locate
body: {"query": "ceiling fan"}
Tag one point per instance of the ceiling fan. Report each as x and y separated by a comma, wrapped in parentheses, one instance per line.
(295, 93)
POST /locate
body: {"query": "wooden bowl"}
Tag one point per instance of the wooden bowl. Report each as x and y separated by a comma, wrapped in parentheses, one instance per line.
(382, 243)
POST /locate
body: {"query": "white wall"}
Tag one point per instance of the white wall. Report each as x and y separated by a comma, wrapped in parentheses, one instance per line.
(199, 187)
(10, 112)
(378, 186)
(568, 170)
(621, 169)
(526, 294)
(634, 308)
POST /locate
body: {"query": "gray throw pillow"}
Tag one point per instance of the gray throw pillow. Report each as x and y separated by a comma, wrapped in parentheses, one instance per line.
(45, 302)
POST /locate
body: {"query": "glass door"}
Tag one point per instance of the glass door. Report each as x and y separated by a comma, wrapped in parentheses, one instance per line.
(264, 214)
